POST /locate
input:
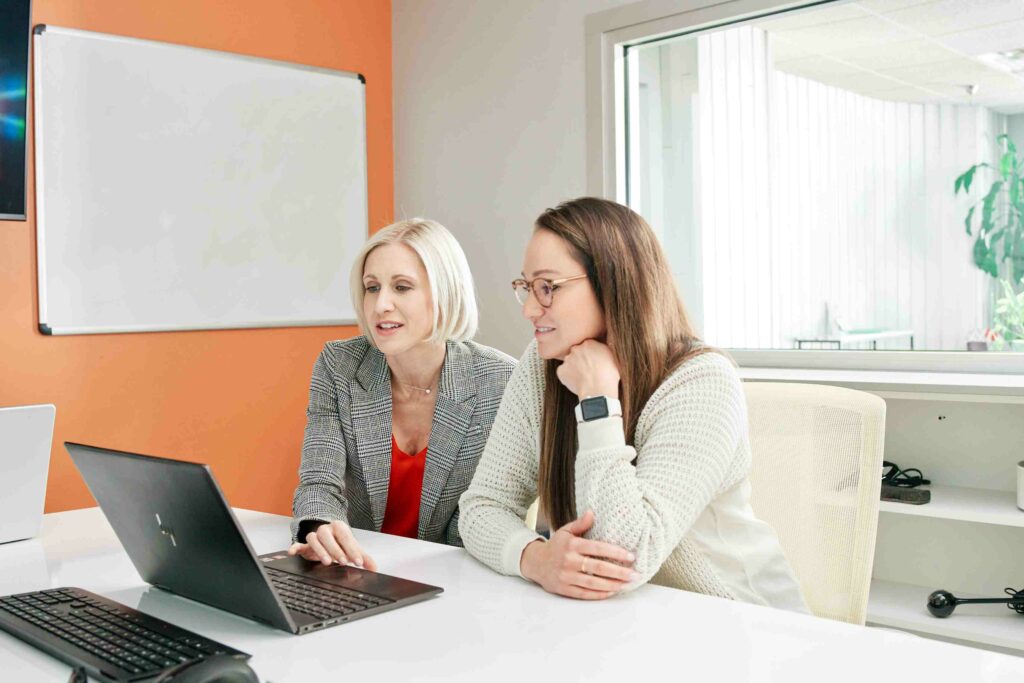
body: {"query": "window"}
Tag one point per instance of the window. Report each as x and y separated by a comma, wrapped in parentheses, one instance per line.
(801, 170)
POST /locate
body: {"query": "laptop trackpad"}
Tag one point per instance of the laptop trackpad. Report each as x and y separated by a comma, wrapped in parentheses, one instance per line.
(353, 578)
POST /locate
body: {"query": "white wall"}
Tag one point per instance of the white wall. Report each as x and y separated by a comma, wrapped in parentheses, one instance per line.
(490, 127)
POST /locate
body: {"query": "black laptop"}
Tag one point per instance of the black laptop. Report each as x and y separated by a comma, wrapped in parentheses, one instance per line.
(180, 534)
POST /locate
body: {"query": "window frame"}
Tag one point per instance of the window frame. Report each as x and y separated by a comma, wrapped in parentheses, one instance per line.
(607, 35)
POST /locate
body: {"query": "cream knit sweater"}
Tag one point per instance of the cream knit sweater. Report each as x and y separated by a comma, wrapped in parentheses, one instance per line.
(683, 511)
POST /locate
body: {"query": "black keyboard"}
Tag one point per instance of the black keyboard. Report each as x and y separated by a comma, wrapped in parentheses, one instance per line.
(111, 641)
(319, 599)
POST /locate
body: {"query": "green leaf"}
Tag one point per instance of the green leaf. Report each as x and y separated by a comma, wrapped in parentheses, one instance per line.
(1007, 239)
(984, 258)
(1006, 164)
(1017, 257)
(967, 221)
(988, 205)
(968, 177)
(1008, 141)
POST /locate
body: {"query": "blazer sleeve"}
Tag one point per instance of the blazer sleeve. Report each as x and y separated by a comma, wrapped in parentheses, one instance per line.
(493, 508)
(320, 494)
(693, 427)
(451, 532)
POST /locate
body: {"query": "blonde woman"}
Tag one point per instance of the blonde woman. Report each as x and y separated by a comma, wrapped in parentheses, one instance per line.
(632, 432)
(398, 416)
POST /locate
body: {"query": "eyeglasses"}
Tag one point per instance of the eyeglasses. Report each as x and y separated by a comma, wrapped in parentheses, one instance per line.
(543, 289)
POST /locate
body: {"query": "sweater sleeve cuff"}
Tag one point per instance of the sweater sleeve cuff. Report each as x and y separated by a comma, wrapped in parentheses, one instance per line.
(513, 552)
(600, 434)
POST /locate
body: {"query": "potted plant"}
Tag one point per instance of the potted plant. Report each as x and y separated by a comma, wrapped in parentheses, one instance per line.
(1008, 321)
(998, 228)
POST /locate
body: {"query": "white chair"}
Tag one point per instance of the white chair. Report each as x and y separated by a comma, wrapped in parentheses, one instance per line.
(531, 514)
(816, 478)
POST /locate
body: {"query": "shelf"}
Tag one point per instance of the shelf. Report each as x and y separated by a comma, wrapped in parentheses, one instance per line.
(964, 504)
(902, 605)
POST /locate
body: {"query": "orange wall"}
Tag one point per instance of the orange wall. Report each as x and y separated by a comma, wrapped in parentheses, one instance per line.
(236, 398)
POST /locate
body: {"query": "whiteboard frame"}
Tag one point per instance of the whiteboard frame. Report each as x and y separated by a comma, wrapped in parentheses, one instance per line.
(38, 33)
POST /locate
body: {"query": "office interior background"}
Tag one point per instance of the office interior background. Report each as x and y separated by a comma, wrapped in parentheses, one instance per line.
(799, 169)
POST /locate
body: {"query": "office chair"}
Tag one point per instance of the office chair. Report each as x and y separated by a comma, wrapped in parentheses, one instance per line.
(531, 514)
(816, 476)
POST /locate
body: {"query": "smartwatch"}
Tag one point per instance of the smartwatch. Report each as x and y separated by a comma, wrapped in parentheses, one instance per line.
(597, 407)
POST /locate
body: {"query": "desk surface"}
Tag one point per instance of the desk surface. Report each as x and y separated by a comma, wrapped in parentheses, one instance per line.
(487, 627)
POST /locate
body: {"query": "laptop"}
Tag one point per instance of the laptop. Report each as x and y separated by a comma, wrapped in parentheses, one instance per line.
(182, 536)
(26, 433)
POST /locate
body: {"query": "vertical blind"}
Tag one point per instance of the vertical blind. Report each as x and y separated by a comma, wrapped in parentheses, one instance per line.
(812, 198)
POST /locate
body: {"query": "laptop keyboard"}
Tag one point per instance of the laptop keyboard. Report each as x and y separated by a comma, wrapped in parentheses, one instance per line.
(318, 599)
(104, 636)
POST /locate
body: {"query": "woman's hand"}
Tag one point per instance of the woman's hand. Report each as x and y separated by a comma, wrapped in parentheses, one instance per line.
(589, 369)
(577, 567)
(333, 542)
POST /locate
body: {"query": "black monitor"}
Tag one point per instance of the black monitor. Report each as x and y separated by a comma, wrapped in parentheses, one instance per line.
(15, 35)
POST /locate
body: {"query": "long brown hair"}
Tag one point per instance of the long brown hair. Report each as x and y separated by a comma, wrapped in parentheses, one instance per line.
(647, 330)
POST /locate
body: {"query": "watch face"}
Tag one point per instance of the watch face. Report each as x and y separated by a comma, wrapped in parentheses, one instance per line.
(594, 408)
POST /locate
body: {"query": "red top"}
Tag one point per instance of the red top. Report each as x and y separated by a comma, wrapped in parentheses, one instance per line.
(402, 514)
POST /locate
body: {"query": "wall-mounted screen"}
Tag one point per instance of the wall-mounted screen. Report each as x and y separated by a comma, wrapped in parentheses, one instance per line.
(14, 41)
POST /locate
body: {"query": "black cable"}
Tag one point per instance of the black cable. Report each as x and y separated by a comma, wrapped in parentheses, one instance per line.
(1016, 602)
(905, 479)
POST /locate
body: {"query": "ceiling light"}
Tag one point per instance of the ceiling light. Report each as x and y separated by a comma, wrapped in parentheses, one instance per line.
(1010, 61)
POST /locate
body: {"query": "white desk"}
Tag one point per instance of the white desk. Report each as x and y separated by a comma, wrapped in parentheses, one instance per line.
(854, 337)
(487, 627)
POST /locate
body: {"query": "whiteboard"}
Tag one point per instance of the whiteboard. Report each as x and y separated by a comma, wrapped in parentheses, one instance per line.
(181, 188)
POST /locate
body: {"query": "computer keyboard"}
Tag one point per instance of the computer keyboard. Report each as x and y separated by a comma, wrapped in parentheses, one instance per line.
(108, 639)
(320, 600)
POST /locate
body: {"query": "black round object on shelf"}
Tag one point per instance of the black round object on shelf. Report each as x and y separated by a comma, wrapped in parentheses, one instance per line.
(941, 603)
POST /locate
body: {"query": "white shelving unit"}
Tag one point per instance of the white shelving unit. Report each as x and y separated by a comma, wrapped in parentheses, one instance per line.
(965, 432)
(984, 506)
(902, 605)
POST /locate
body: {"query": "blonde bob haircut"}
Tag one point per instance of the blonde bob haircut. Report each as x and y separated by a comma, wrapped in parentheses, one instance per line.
(451, 282)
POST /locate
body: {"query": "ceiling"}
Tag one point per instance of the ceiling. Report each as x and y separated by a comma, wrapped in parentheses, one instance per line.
(908, 50)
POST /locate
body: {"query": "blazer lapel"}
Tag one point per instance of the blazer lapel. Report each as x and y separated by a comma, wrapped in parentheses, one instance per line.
(371, 424)
(456, 400)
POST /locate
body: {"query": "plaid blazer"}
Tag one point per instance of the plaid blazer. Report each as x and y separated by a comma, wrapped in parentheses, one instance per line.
(346, 451)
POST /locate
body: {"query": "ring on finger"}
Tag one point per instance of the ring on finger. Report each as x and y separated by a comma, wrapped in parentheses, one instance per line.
(583, 565)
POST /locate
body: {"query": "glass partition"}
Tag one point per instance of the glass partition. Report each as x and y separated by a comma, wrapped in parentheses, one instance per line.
(845, 177)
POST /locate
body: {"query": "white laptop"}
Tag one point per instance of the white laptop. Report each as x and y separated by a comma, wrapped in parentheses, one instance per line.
(25, 436)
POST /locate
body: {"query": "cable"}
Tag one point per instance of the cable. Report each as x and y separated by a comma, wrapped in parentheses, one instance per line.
(1016, 602)
(905, 479)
